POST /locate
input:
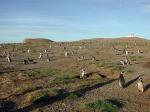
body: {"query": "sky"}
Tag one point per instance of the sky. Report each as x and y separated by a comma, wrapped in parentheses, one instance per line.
(69, 20)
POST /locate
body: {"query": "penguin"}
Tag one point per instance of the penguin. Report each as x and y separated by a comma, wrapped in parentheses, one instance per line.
(126, 61)
(8, 58)
(122, 62)
(126, 52)
(140, 85)
(82, 74)
(41, 56)
(29, 50)
(121, 80)
(66, 54)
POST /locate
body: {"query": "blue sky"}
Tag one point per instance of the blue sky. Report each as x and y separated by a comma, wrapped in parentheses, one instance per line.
(66, 20)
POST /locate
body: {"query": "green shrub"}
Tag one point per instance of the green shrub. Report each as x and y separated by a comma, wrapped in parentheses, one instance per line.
(102, 106)
(31, 73)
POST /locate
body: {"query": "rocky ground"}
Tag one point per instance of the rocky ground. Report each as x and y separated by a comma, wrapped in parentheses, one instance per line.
(20, 83)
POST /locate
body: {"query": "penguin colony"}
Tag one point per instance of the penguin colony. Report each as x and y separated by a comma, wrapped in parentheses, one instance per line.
(121, 79)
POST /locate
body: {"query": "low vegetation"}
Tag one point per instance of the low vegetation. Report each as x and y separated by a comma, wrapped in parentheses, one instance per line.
(63, 80)
(39, 95)
(25, 89)
(135, 58)
(112, 66)
(129, 71)
(40, 72)
(72, 96)
(64, 77)
(34, 86)
(102, 106)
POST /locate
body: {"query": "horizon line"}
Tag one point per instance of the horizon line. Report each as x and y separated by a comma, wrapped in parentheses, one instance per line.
(84, 39)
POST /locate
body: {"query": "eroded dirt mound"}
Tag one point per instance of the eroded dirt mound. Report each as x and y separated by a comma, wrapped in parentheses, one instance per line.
(37, 40)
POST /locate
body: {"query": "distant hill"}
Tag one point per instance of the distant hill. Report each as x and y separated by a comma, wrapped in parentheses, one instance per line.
(121, 39)
(37, 40)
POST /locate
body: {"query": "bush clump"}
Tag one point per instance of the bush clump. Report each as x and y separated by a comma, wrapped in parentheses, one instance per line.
(102, 106)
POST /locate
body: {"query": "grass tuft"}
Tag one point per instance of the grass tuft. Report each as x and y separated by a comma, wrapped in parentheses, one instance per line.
(40, 95)
(25, 89)
(102, 106)
(63, 80)
(130, 71)
(72, 96)
(113, 66)
(40, 72)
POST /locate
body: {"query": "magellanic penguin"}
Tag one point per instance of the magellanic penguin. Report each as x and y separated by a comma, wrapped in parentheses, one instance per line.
(83, 75)
(8, 58)
(140, 85)
(121, 80)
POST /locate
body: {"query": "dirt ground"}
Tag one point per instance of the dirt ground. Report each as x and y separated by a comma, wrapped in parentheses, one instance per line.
(102, 74)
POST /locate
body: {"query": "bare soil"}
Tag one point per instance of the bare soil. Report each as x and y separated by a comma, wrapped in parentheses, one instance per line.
(102, 74)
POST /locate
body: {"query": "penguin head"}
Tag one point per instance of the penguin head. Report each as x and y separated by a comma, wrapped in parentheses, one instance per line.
(141, 79)
(122, 72)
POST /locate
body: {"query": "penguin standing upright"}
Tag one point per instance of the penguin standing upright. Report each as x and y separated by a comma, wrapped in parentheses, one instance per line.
(41, 56)
(83, 74)
(8, 58)
(140, 85)
(29, 50)
(66, 54)
(121, 80)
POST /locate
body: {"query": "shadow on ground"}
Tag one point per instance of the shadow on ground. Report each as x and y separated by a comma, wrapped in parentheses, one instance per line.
(117, 102)
(7, 106)
(49, 100)
(132, 81)
(147, 87)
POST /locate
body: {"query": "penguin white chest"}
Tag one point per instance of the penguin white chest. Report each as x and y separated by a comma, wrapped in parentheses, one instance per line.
(83, 73)
(121, 84)
(140, 86)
